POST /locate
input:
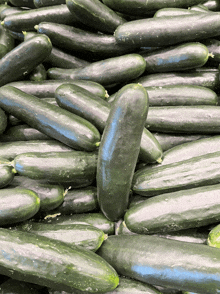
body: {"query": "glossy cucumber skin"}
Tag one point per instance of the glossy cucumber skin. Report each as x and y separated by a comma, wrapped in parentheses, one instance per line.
(96, 219)
(25, 257)
(199, 77)
(198, 119)
(58, 167)
(106, 72)
(9, 150)
(6, 39)
(164, 31)
(96, 14)
(78, 40)
(58, 123)
(178, 176)
(51, 196)
(24, 58)
(173, 12)
(184, 57)
(181, 95)
(143, 7)
(116, 158)
(17, 205)
(85, 236)
(27, 19)
(47, 88)
(175, 211)
(139, 257)
(79, 201)
(7, 173)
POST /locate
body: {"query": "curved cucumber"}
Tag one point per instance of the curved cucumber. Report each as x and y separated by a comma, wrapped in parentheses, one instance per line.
(164, 31)
(28, 258)
(53, 121)
(177, 57)
(86, 236)
(139, 257)
(24, 58)
(117, 157)
(57, 167)
(17, 205)
(178, 176)
(175, 211)
(95, 14)
(106, 72)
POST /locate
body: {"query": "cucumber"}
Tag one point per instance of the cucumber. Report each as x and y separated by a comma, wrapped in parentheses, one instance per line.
(79, 201)
(57, 166)
(53, 121)
(177, 57)
(213, 47)
(168, 141)
(138, 7)
(76, 40)
(106, 72)
(175, 211)
(96, 110)
(164, 31)
(24, 58)
(47, 88)
(13, 286)
(188, 266)
(25, 257)
(212, 5)
(178, 176)
(116, 157)
(85, 236)
(96, 219)
(7, 172)
(200, 119)
(6, 39)
(26, 20)
(17, 205)
(22, 3)
(10, 10)
(51, 196)
(22, 132)
(95, 14)
(9, 150)
(206, 78)
(43, 3)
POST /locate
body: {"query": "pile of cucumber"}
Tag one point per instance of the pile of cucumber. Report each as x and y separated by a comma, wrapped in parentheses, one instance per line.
(109, 146)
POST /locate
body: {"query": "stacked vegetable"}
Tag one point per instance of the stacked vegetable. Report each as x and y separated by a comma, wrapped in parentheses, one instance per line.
(109, 153)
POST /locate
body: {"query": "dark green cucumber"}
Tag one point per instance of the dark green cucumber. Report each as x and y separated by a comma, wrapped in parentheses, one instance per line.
(57, 167)
(86, 236)
(197, 119)
(6, 39)
(26, 20)
(77, 40)
(47, 88)
(191, 149)
(164, 31)
(213, 47)
(96, 219)
(22, 3)
(117, 157)
(43, 3)
(106, 72)
(177, 57)
(10, 10)
(168, 141)
(51, 196)
(13, 286)
(206, 78)
(3, 50)
(17, 205)
(175, 211)
(79, 201)
(59, 58)
(53, 121)
(7, 172)
(22, 132)
(52, 263)
(24, 58)
(9, 150)
(213, 237)
(191, 173)
(95, 14)
(184, 265)
(179, 95)
(143, 7)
